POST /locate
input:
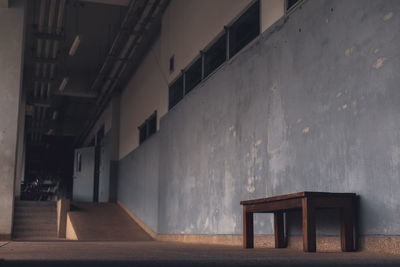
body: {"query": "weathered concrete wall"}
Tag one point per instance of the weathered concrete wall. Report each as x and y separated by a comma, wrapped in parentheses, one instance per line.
(321, 115)
(138, 181)
(311, 105)
(11, 56)
(146, 92)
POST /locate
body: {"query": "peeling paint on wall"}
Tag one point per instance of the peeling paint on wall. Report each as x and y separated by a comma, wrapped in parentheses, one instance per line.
(379, 63)
(306, 130)
(349, 51)
(388, 16)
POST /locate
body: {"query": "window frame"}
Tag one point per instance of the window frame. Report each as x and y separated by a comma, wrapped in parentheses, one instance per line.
(225, 32)
(289, 10)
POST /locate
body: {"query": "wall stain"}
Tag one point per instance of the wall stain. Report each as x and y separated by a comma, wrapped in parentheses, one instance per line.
(306, 130)
(388, 16)
(349, 51)
(379, 63)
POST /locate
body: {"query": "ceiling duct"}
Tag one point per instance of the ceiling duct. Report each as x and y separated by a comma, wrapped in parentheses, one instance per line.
(142, 18)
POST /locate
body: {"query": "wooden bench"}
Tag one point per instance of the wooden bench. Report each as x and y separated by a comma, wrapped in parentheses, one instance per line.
(308, 202)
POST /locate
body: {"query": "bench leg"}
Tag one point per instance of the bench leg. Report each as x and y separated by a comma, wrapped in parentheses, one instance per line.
(279, 230)
(347, 223)
(309, 236)
(248, 229)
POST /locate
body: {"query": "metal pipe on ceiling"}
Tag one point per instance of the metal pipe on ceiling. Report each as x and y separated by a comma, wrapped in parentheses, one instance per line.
(42, 15)
(52, 11)
(122, 55)
(129, 46)
(141, 23)
(60, 16)
(145, 19)
(59, 26)
(41, 18)
(48, 90)
(35, 89)
(135, 6)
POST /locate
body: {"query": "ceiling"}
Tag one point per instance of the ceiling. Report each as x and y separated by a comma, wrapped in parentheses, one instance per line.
(66, 92)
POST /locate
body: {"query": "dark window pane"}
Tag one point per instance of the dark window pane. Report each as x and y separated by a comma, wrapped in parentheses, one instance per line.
(291, 3)
(245, 29)
(215, 55)
(193, 76)
(142, 132)
(176, 92)
(152, 125)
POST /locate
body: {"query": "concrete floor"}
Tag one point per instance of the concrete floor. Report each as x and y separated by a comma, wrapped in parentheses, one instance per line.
(152, 253)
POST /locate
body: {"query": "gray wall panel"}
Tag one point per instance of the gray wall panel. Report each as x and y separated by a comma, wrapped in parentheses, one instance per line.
(138, 181)
(311, 105)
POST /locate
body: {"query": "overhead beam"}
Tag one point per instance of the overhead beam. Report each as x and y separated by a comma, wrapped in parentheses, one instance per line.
(48, 36)
(76, 94)
(45, 60)
(110, 2)
(4, 3)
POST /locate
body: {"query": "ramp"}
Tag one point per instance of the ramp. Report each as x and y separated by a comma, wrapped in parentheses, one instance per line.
(104, 222)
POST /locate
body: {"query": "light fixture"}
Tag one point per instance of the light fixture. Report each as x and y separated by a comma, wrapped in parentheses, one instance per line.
(63, 84)
(55, 115)
(75, 45)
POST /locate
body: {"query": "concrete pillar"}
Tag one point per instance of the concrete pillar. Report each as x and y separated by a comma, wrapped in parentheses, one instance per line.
(19, 172)
(11, 63)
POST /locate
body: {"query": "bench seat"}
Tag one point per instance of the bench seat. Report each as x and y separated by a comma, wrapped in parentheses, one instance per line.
(308, 202)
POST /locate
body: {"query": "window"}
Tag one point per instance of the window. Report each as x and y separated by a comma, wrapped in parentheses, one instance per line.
(175, 92)
(148, 128)
(193, 75)
(244, 29)
(215, 55)
(290, 4)
(234, 38)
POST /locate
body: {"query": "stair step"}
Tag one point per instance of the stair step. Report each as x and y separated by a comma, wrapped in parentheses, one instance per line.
(34, 227)
(34, 211)
(35, 204)
(35, 238)
(35, 233)
(33, 214)
(35, 220)
(36, 208)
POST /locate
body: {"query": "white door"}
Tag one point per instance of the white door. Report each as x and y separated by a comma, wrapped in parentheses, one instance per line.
(83, 183)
